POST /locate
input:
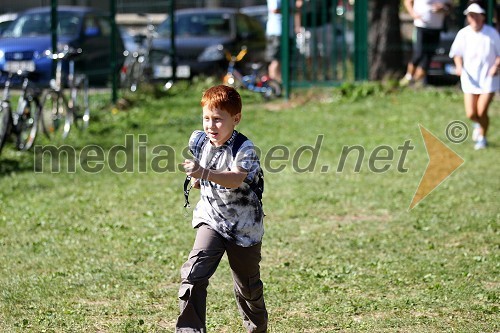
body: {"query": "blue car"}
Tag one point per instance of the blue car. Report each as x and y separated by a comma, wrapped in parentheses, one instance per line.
(24, 43)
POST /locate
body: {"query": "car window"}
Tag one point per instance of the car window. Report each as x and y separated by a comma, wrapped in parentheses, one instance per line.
(105, 26)
(255, 26)
(92, 26)
(38, 24)
(198, 25)
(69, 25)
(4, 25)
(242, 25)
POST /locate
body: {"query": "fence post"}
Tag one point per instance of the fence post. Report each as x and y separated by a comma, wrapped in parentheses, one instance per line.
(285, 47)
(490, 10)
(114, 76)
(173, 50)
(53, 33)
(361, 40)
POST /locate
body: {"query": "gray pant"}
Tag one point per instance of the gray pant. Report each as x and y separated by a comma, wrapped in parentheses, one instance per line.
(208, 249)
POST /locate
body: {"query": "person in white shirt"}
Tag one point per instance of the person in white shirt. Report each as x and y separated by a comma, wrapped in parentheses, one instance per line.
(476, 54)
(273, 35)
(428, 20)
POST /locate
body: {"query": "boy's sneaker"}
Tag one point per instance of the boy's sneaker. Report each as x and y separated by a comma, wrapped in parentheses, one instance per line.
(481, 143)
(475, 132)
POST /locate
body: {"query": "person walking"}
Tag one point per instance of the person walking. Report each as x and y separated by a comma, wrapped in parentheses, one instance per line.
(428, 20)
(228, 218)
(476, 54)
(273, 34)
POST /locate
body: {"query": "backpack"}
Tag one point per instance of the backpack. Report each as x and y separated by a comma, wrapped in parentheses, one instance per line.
(256, 184)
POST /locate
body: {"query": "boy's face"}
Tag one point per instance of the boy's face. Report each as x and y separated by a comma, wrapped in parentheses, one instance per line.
(219, 124)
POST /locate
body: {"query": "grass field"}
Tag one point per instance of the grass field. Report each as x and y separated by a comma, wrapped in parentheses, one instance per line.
(101, 251)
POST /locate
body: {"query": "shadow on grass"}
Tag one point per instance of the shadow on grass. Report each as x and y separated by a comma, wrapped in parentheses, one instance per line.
(8, 165)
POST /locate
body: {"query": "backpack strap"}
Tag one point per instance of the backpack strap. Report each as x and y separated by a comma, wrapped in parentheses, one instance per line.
(238, 142)
(257, 184)
(198, 145)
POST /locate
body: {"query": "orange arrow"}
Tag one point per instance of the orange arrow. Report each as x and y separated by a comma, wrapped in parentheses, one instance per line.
(442, 163)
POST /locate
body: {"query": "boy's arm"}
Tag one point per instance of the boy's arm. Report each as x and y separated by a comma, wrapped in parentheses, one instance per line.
(229, 179)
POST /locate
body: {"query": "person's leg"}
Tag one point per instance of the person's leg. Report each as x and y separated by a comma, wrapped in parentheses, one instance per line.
(415, 59)
(273, 55)
(429, 43)
(248, 287)
(204, 258)
(410, 70)
(470, 104)
(419, 74)
(408, 78)
(275, 70)
(483, 103)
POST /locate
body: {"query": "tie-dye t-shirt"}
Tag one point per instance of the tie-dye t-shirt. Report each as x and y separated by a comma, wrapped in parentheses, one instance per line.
(235, 213)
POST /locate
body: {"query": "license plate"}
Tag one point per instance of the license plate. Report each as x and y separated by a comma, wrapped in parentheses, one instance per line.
(164, 72)
(15, 66)
(450, 69)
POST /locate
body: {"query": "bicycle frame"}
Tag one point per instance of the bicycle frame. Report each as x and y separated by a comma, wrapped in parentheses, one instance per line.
(253, 82)
(63, 109)
(23, 122)
(136, 68)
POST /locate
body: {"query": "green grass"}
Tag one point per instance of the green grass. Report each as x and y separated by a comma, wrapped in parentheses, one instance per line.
(101, 252)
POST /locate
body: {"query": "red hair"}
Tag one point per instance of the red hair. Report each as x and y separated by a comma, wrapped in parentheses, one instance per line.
(222, 97)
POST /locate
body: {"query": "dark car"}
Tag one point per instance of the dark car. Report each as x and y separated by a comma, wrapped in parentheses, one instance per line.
(202, 35)
(258, 12)
(442, 67)
(25, 41)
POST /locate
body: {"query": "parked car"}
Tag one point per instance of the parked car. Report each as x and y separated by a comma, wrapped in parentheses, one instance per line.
(201, 36)
(442, 67)
(25, 41)
(6, 20)
(258, 12)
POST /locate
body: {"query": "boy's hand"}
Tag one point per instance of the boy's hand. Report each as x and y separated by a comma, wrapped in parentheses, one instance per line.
(193, 168)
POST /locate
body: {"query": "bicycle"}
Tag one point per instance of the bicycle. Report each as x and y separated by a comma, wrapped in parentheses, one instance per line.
(262, 84)
(136, 70)
(61, 112)
(24, 121)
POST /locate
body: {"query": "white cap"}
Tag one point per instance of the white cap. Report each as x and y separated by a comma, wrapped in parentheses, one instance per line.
(474, 8)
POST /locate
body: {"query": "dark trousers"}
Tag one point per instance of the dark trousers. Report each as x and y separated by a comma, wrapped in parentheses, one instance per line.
(208, 249)
(424, 47)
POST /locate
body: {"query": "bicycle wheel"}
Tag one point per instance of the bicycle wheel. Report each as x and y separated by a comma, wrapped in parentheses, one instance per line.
(273, 89)
(5, 123)
(56, 115)
(80, 98)
(28, 112)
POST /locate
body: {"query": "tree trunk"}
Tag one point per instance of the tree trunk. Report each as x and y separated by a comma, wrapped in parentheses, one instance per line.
(384, 39)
